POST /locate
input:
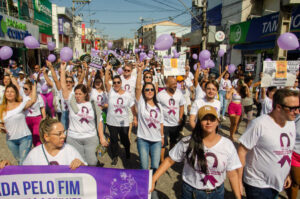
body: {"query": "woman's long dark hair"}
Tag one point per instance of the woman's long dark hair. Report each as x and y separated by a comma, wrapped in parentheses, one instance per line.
(195, 150)
(98, 78)
(154, 96)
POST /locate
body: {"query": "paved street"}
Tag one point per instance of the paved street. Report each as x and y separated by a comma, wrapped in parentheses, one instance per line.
(169, 185)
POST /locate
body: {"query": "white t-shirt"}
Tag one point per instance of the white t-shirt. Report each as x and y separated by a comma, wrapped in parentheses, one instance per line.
(188, 82)
(21, 82)
(82, 124)
(64, 157)
(266, 105)
(224, 84)
(199, 92)
(15, 123)
(234, 83)
(129, 85)
(118, 108)
(100, 98)
(35, 109)
(297, 143)
(42, 82)
(150, 119)
(222, 157)
(270, 148)
(191, 76)
(202, 102)
(171, 106)
(2, 90)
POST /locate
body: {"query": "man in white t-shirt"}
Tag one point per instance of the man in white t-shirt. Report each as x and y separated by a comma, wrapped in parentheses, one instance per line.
(266, 147)
(211, 90)
(172, 102)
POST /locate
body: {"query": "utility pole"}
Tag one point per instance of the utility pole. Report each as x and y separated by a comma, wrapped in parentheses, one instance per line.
(204, 26)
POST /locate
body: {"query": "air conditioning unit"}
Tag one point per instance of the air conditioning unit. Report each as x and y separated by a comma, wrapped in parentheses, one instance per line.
(198, 3)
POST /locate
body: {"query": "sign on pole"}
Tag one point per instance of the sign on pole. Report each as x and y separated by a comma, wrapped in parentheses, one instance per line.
(174, 66)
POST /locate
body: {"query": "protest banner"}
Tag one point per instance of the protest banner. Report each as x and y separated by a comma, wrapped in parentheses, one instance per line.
(279, 73)
(96, 62)
(60, 182)
(174, 66)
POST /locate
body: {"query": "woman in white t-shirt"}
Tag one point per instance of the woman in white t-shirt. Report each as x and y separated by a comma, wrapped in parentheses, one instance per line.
(224, 86)
(13, 123)
(35, 113)
(54, 150)
(119, 103)
(150, 123)
(267, 99)
(208, 158)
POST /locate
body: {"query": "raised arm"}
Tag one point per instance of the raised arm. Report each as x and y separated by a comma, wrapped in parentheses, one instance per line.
(107, 70)
(89, 82)
(84, 72)
(222, 74)
(138, 86)
(48, 80)
(197, 73)
(263, 93)
(12, 78)
(54, 76)
(33, 97)
(63, 83)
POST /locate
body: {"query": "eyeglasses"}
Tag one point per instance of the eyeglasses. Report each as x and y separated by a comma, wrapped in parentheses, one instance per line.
(60, 134)
(148, 77)
(291, 108)
(149, 89)
(70, 82)
(53, 163)
(116, 83)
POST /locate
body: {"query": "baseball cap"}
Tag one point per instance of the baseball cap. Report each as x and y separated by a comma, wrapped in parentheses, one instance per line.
(179, 78)
(21, 72)
(207, 110)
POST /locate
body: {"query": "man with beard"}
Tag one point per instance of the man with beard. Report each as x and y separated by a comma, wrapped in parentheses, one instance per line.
(211, 90)
(172, 102)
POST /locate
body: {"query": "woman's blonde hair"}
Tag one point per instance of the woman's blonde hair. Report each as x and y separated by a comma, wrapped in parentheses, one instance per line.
(3, 106)
(46, 126)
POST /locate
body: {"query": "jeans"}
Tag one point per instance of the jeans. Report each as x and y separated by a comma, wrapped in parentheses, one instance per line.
(260, 193)
(20, 147)
(144, 147)
(65, 119)
(222, 96)
(189, 192)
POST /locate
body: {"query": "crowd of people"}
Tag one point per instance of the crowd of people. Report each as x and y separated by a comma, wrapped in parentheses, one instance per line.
(62, 111)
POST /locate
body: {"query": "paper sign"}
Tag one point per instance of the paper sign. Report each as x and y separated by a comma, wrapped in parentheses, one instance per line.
(174, 66)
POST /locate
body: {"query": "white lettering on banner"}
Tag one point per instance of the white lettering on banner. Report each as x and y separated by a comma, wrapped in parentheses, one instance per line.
(58, 185)
(296, 21)
(270, 26)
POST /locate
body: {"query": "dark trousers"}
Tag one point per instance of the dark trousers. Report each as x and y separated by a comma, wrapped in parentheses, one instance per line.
(116, 132)
(260, 193)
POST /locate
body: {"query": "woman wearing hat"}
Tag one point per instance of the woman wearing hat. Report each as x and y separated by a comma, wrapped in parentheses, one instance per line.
(208, 157)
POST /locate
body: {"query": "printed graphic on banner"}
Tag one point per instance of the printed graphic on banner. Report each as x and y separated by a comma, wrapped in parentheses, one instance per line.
(174, 67)
(279, 73)
(39, 182)
(249, 67)
(96, 62)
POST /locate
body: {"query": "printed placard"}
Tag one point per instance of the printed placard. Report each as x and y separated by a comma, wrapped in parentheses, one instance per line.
(174, 66)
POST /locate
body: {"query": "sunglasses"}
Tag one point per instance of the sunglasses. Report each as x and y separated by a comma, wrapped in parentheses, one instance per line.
(26, 89)
(127, 70)
(116, 83)
(148, 77)
(149, 89)
(291, 108)
(69, 82)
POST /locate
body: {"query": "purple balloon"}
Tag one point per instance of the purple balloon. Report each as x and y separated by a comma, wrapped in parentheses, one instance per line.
(120, 71)
(6, 52)
(195, 56)
(204, 55)
(176, 55)
(195, 66)
(221, 53)
(163, 42)
(31, 42)
(136, 50)
(268, 59)
(174, 51)
(288, 41)
(44, 88)
(231, 68)
(142, 56)
(51, 58)
(127, 56)
(66, 54)
(210, 63)
(51, 46)
(140, 46)
(150, 52)
(150, 56)
(109, 45)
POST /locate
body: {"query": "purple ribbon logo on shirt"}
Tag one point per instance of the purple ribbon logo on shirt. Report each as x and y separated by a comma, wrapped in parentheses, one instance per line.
(84, 115)
(66, 106)
(120, 103)
(99, 100)
(30, 110)
(285, 157)
(152, 124)
(209, 177)
(127, 87)
(172, 104)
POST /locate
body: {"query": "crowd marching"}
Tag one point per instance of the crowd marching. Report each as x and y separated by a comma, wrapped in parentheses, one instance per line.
(60, 113)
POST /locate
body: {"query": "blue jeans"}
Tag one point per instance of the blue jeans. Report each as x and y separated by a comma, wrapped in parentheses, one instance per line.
(260, 193)
(222, 96)
(189, 192)
(65, 119)
(144, 146)
(20, 147)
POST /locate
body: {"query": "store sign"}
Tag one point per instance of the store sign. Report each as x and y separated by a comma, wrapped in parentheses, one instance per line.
(82, 32)
(220, 36)
(16, 30)
(44, 38)
(64, 26)
(43, 14)
(262, 29)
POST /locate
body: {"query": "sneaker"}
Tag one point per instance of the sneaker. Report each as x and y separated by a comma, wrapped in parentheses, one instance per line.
(114, 161)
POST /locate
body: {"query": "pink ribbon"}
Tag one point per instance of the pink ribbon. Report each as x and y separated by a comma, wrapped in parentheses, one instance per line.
(152, 125)
(30, 111)
(284, 159)
(84, 120)
(119, 110)
(210, 178)
(172, 111)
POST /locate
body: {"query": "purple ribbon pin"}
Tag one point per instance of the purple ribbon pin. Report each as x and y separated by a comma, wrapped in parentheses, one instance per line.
(285, 158)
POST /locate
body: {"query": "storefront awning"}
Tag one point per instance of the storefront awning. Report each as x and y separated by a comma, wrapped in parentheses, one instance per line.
(255, 46)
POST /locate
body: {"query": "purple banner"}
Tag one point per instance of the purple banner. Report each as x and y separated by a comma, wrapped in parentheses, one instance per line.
(60, 182)
(60, 26)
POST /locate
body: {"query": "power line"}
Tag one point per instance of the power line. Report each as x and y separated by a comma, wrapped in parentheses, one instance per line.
(129, 11)
(168, 5)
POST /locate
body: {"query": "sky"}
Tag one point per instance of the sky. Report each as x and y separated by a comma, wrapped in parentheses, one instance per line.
(121, 18)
